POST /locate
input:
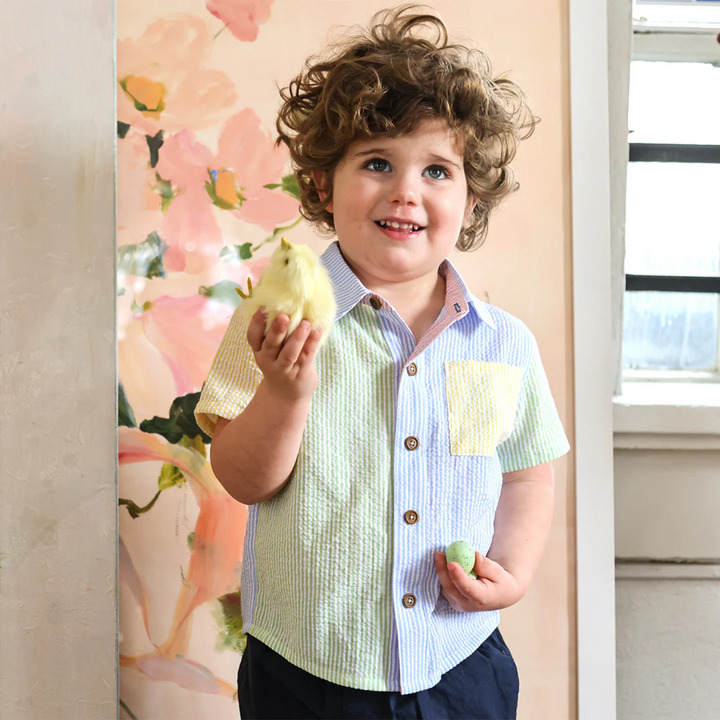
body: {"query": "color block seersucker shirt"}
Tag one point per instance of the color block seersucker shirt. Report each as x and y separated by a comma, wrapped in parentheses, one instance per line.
(403, 453)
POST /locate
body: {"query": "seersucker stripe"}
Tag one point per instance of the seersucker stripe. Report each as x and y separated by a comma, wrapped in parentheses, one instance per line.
(328, 560)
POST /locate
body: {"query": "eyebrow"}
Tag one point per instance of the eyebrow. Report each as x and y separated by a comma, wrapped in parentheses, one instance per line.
(384, 151)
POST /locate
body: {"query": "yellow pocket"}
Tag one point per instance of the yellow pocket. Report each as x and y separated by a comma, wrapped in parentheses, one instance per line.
(482, 398)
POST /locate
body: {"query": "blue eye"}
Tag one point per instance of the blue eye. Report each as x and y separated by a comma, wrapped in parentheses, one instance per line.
(435, 169)
(376, 161)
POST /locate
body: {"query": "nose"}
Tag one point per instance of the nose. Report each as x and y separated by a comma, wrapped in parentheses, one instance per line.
(403, 190)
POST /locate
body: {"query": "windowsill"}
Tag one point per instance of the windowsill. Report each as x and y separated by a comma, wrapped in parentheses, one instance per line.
(667, 415)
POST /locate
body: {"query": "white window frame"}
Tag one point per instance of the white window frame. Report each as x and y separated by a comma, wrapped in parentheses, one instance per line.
(660, 42)
(670, 409)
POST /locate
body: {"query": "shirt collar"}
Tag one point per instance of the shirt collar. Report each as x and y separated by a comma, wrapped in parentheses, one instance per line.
(349, 291)
(457, 294)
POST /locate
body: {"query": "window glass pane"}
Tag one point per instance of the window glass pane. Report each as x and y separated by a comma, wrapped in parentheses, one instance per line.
(673, 219)
(670, 331)
(674, 102)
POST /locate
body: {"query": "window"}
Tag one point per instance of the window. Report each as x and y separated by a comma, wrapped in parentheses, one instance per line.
(672, 239)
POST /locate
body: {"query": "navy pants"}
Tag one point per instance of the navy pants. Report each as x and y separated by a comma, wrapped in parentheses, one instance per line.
(483, 687)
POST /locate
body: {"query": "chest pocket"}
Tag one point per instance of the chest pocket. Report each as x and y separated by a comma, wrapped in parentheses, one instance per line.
(482, 399)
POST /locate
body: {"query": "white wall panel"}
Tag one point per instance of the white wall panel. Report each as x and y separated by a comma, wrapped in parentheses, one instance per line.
(58, 501)
(667, 504)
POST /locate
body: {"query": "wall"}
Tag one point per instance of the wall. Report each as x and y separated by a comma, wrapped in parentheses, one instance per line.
(58, 456)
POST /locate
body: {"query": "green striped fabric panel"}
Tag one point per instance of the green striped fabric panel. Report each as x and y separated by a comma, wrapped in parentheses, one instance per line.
(538, 435)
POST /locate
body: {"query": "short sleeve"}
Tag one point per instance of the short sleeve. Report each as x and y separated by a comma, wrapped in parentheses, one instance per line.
(537, 435)
(233, 379)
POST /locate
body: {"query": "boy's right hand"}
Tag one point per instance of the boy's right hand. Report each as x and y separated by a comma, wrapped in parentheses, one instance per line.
(287, 365)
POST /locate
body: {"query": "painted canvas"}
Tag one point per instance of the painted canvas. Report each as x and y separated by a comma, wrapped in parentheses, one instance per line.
(203, 197)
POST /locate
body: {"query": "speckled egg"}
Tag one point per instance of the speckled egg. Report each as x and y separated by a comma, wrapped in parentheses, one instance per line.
(461, 552)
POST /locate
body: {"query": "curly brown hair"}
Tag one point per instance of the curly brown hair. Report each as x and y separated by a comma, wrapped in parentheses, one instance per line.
(382, 81)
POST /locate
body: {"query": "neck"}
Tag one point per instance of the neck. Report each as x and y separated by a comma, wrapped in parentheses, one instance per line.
(418, 302)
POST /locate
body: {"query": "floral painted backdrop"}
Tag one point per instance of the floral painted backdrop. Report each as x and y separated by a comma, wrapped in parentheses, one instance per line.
(203, 196)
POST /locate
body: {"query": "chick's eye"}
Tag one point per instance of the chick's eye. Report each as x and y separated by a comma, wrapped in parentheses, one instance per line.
(377, 164)
(287, 261)
(438, 172)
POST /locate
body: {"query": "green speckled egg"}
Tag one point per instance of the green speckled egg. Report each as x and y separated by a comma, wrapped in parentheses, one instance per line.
(473, 575)
(461, 552)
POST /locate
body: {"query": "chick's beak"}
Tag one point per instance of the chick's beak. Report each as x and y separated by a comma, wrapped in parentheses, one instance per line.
(285, 244)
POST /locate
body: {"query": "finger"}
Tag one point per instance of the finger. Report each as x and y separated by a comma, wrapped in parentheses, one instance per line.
(256, 331)
(449, 587)
(309, 350)
(485, 568)
(464, 584)
(294, 344)
(275, 336)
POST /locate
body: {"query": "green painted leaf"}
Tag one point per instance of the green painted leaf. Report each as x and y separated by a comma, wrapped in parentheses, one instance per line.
(164, 188)
(140, 308)
(290, 186)
(154, 144)
(134, 509)
(224, 291)
(126, 417)
(170, 476)
(143, 259)
(181, 421)
(122, 129)
(231, 635)
(237, 252)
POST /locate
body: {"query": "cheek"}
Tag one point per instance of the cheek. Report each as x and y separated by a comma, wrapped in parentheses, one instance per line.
(451, 213)
(355, 202)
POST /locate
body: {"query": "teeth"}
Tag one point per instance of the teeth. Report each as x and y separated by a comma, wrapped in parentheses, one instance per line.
(399, 226)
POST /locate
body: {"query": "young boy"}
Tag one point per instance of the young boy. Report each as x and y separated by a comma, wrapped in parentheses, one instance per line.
(424, 419)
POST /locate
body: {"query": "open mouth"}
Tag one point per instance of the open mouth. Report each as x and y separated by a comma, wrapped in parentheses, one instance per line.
(395, 227)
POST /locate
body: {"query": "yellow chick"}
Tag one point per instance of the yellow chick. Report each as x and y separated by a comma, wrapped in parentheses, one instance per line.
(295, 284)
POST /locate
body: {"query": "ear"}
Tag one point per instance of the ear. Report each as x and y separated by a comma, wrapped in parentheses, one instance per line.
(320, 179)
(470, 206)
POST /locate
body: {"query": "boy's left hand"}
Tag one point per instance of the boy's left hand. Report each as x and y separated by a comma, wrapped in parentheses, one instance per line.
(494, 589)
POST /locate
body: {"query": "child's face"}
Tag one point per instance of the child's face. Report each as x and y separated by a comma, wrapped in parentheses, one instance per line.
(416, 178)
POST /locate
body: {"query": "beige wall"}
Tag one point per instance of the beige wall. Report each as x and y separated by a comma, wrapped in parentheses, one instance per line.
(58, 497)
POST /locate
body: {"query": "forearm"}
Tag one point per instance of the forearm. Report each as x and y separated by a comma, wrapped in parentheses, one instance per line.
(255, 454)
(522, 521)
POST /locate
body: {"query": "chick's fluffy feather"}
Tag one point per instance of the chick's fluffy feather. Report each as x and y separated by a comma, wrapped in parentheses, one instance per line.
(295, 284)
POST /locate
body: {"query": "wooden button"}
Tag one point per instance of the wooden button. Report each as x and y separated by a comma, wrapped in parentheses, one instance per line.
(411, 443)
(411, 517)
(376, 304)
(412, 369)
(409, 600)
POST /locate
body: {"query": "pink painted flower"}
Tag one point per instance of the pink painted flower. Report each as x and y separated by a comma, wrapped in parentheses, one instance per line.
(189, 227)
(163, 82)
(255, 161)
(166, 348)
(213, 570)
(241, 16)
(233, 179)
